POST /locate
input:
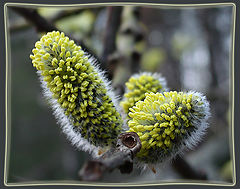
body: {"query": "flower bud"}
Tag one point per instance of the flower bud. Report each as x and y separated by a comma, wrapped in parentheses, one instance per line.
(81, 98)
(166, 122)
(138, 85)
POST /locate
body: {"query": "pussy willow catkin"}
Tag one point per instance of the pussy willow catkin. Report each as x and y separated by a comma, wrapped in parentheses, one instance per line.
(81, 98)
(138, 85)
(167, 122)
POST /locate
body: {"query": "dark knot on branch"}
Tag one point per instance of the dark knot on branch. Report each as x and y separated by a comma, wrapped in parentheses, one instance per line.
(129, 139)
(121, 157)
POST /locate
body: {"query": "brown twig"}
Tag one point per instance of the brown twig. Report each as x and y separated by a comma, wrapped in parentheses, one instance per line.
(64, 13)
(121, 157)
(132, 30)
(112, 26)
(60, 15)
(213, 38)
(43, 25)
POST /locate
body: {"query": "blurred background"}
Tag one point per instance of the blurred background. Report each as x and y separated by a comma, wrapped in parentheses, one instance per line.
(191, 47)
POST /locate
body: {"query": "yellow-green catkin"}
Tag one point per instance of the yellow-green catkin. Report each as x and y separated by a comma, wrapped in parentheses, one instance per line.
(78, 88)
(138, 85)
(166, 122)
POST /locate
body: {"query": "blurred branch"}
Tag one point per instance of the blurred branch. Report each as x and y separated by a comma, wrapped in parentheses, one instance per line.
(43, 25)
(65, 14)
(213, 37)
(58, 16)
(218, 94)
(173, 63)
(131, 37)
(186, 171)
(135, 30)
(112, 26)
(128, 145)
(121, 157)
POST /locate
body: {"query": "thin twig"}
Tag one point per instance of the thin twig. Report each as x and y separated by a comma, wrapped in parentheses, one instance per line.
(112, 26)
(213, 38)
(132, 30)
(121, 157)
(58, 16)
(43, 25)
(64, 14)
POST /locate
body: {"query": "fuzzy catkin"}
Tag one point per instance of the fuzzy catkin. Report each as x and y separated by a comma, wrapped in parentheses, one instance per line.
(138, 85)
(81, 97)
(167, 122)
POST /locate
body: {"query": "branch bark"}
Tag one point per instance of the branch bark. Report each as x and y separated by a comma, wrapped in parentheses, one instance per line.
(121, 157)
(64, 14)
(213, 38)
(112, 26)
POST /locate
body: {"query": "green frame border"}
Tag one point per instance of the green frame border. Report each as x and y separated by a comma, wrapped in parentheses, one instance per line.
(70, 183)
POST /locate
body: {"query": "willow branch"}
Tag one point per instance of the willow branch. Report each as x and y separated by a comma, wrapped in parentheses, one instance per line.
(31, 15)
(112, 26)
(43, 25)
(60, 15)
(121, 157)
(64, 14)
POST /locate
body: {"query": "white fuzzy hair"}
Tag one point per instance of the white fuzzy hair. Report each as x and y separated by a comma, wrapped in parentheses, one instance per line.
(190, 141)
(202, 124)
(63, 120)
